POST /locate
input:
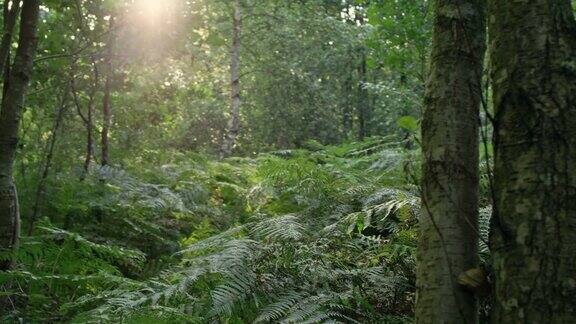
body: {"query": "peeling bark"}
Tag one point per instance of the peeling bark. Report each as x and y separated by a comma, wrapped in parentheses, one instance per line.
(448, 227)
(533, 239)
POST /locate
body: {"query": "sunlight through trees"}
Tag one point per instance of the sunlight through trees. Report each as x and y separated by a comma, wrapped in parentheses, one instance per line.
(287, 161)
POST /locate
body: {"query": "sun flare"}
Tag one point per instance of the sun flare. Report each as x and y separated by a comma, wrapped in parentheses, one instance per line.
(149, 10)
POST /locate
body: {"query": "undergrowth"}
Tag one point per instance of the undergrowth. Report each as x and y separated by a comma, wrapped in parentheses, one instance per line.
(321, 235)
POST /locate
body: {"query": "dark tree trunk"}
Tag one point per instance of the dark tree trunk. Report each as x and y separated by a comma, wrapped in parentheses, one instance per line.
(10, 18)
(11, 111)
(87, 119)
(234, 125)
(533, 241)
(449, 223)
(41, 189)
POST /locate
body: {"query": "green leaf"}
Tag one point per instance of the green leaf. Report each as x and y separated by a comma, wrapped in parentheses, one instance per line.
(408, 123)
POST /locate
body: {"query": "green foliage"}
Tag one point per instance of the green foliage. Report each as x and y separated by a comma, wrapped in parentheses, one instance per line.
(304, 238)
(309, 227)
(408, 123)
(57, 267)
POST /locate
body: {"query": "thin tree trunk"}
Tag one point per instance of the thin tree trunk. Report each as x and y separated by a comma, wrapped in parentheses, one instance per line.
(41, 189)
(106, 109)
(363, 103)
(363, 99)
(11, 12)
(533, 241)
(448, 226)
(234, 124)
(90, 127)
(348, 109)
(10, 115)
(88, 120)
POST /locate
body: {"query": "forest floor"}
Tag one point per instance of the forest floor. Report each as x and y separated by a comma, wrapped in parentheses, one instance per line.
(326, 233)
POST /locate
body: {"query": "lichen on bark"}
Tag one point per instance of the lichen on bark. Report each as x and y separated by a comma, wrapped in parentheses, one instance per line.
(448, 228)
(533, 239)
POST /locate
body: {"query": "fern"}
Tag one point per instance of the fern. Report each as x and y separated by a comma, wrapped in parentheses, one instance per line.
(284, 227)
(484, 229)
(113, 253)
(309, 237)
(284, 302)
(239, 284)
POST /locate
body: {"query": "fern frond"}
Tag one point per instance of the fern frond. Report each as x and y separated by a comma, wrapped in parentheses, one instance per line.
(111, 252)
(234, 254)
(285, 227)
(485, 214)
(238, 286)
(213, 241)
(280, 307)
(305, 309)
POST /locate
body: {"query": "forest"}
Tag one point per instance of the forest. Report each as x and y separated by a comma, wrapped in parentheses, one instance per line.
(288, 161)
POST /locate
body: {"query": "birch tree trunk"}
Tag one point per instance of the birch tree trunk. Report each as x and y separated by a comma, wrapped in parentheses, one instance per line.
(533, 240)
(234, 124)
(448, 227)
(11, 111)
(106, 108)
